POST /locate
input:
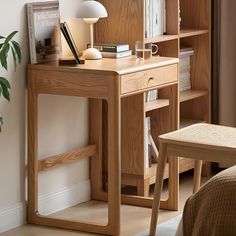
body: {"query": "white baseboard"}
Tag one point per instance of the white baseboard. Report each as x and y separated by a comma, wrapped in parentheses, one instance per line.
(12, 217)
(15, 216)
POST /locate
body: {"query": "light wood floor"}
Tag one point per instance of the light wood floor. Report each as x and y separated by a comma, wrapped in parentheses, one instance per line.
(133, 219)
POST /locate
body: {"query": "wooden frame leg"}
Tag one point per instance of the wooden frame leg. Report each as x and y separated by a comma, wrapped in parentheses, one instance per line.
(197, 175)
(158, 187)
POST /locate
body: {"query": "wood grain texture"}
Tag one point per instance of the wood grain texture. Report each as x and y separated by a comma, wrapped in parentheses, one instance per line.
(132, 131)
(32, 148)
(204, 135)
(172, 16)
(158, 188)
(95, 136)
(157, 104)
(148, 79)
(195, 14)
(114, 155)
(125, 22)
(66, 158)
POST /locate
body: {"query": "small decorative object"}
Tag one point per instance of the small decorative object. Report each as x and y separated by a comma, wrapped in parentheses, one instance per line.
(90, 11)
(7, 44)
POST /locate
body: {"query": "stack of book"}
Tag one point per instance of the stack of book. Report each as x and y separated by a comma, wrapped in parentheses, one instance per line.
(155, 18)
(112, 50)
(185, 68)
(151, 95)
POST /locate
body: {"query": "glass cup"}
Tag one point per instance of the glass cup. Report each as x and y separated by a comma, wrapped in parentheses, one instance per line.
(145, 51)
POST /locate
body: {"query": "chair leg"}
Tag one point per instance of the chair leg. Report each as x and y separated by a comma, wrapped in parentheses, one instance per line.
(158, 187)
(197, 175)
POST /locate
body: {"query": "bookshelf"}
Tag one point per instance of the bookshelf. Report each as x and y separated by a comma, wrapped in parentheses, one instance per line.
(188, 22)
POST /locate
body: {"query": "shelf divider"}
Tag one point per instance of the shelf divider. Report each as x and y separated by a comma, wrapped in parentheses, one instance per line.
(192, 32)
(192, 94)
(161, 38)
(157, 104)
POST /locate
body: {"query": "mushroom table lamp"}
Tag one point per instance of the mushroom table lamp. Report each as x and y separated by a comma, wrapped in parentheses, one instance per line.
(90, 11)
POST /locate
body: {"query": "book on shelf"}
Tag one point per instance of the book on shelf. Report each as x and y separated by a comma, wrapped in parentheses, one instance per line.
(185, 68)
(117, 54)
(147, 142)
(110, 47)
(155, 18)
(69, 39)
(151, 95)
(44, 31)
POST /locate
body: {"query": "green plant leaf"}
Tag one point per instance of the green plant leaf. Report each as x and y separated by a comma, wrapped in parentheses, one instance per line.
(5, 82)
(3, 56)
(14, 55)
(2, 37)
(9, 37)
(1, 123)
(1, 45)
(17, 50)
(5, 87)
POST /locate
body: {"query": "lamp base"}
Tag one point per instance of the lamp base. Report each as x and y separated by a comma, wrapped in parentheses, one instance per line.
(92, 54)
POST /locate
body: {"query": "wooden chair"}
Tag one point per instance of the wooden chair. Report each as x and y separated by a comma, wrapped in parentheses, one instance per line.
(200, 142)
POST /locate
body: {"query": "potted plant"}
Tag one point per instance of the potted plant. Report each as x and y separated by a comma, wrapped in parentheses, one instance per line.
(8, 46)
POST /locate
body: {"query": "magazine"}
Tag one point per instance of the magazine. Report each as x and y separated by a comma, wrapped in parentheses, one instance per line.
(44, 31)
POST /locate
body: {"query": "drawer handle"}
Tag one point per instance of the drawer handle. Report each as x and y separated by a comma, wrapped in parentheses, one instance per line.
(150, 78)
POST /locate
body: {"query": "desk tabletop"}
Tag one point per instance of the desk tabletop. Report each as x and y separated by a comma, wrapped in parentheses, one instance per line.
(119, 66)
(203, 136)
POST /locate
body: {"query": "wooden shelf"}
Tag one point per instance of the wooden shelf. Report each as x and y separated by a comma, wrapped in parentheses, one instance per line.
(191, 32)
(157, 104)
(192, 94)
(161, 38)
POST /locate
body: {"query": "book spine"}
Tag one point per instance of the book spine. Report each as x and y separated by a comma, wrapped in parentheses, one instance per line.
(30, 16)
(109, 48)
(117, 54)
(151, 17)
(70, 41)
(154, 19)
(147, 16)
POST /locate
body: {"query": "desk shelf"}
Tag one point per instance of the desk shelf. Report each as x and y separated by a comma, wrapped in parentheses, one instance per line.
(192, 94)
(157, 104)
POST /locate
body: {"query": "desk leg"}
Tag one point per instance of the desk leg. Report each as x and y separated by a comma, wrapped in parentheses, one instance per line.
(158, 187)
(95, 131)
(114, 162)
(32, 209)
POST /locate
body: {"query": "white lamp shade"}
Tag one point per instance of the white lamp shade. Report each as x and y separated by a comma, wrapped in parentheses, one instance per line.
(91, 9)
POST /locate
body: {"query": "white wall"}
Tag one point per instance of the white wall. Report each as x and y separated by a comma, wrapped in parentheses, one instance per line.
(63, 122)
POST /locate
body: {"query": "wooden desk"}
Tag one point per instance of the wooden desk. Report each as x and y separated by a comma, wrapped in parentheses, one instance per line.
(200, 142)
(108, 80)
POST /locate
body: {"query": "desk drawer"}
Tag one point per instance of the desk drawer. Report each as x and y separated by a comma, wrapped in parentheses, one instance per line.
(148, 78)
